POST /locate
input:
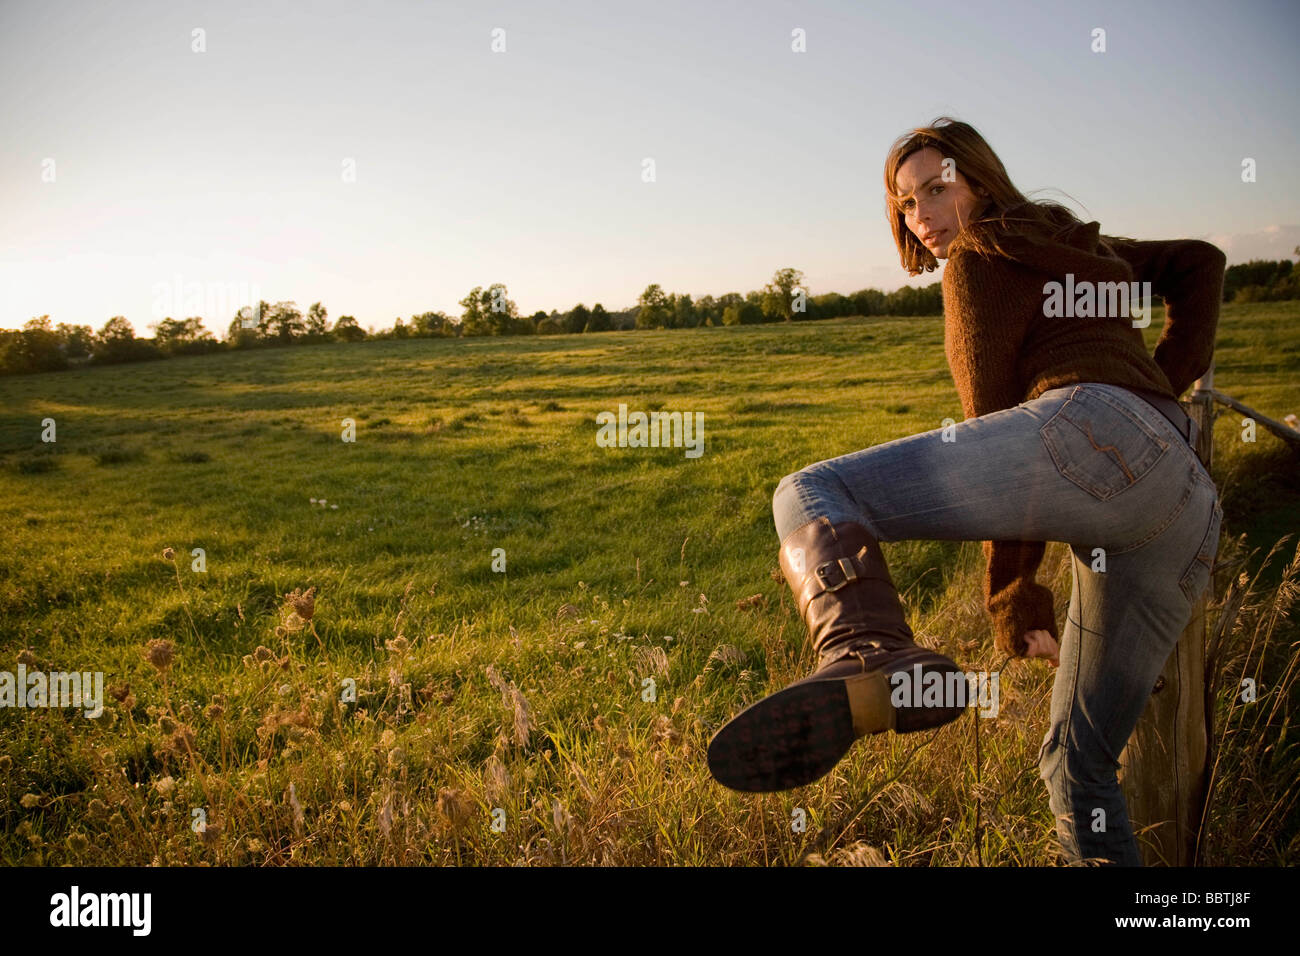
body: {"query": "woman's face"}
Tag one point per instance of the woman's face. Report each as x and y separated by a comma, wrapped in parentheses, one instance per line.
(935, 210)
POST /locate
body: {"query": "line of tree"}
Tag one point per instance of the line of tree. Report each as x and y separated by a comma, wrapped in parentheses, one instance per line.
(1262, 280)
(40, 346)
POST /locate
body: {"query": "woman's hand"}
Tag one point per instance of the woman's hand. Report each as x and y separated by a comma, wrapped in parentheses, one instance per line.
(1042, 644)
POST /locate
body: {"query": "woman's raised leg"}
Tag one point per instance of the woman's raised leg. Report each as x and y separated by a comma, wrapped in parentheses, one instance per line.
(1091, 465)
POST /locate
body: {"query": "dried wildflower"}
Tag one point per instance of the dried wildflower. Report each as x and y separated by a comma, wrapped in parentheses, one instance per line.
(160, 654)
(28, 833)
(725, 655)
(182, 741)
(96, 809)
(304, 605)
(396, 757)
(398, 645)
(166, 724)
(210, 833)
(296, 806)
(263, 654)
(515, 701)
(119, 692)
(29, 801)
(665, 731)
(77, 842)
(560, 816)
(6, 763)
(860, 854)
(213, 711)
(650, 659)
(26, 657)
(498, 779)
(281, 630)
(165, 786)
(168, 554)
(455, 808)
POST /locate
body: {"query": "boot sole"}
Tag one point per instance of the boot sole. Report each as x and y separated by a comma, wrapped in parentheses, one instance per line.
(797, 735)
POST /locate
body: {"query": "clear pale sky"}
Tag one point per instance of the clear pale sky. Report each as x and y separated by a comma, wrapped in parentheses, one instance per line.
(225, 167)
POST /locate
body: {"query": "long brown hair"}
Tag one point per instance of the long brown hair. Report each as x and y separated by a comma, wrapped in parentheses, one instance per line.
(1007, 213)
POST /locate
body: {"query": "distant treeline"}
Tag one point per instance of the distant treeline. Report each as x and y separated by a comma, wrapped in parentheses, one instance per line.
(1262, 280)
(42, 347)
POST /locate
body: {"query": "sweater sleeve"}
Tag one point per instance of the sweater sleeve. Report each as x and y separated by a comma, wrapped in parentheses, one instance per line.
(983, 338)
(1188, 275)
(1015, 601)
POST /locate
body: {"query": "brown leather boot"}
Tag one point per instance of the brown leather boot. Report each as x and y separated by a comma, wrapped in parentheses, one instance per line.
(855, 620)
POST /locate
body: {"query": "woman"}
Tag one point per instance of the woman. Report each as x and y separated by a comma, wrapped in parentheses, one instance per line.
(1072, 433)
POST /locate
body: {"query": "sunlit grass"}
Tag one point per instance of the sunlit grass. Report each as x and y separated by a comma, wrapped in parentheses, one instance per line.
(425, 695)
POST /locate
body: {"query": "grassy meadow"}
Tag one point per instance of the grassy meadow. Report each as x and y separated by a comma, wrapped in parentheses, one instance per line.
(504, 717)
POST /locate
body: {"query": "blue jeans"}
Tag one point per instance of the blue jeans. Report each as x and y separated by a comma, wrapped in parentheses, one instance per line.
(1032, 473)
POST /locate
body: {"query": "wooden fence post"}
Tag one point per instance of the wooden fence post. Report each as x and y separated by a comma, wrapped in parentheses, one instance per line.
(1163, 770)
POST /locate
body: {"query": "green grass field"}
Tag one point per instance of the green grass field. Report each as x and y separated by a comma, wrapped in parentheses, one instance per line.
(506, 717)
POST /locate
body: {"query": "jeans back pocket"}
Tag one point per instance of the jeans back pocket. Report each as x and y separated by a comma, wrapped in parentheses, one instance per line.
(1099, 444)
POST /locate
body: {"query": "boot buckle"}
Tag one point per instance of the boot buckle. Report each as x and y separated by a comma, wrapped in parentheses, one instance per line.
(847, 569)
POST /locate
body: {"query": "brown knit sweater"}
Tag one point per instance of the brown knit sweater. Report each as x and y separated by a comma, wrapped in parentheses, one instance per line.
(1003, 350)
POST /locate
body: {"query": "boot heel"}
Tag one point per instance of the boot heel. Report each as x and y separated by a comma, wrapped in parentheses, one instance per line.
(869, 703)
